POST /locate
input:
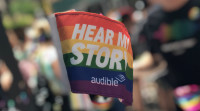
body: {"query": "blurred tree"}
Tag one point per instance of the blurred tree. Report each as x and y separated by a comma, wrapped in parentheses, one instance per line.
(20, 13)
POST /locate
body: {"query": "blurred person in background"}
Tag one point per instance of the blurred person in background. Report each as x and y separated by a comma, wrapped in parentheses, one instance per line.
(13, 95)
(38, 64)
(51, 91)
(172, 34)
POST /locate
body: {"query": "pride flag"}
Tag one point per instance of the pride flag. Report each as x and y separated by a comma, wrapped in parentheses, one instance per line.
(97, 54)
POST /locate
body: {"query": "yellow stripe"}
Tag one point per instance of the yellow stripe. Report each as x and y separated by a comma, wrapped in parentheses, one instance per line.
(190, 103)
(68, 44)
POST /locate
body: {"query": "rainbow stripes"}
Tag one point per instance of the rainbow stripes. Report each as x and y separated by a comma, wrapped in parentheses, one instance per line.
(97, 54)
(177, 30)
(188, 97)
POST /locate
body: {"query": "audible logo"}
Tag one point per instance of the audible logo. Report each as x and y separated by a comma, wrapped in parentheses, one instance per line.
(104, 81)
(107, 81)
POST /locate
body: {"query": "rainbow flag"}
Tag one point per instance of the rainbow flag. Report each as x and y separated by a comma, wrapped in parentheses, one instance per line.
(97, 54)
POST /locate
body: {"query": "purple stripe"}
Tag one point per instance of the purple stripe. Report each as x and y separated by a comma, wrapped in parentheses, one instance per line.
(108, 91)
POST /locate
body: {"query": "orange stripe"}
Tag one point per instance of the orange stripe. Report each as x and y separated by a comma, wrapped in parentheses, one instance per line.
(66, 32)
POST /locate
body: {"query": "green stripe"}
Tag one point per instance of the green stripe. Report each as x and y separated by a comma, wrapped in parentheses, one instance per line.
(129, 71)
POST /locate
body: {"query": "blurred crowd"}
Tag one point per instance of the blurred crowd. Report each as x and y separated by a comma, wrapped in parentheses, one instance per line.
(165, 38)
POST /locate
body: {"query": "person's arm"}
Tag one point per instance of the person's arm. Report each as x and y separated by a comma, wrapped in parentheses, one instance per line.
(148, 64)
(144, 61)
(56, 69)
(6, 77)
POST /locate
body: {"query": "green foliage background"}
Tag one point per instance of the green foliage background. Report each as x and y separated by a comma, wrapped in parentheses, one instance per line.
(20, 13)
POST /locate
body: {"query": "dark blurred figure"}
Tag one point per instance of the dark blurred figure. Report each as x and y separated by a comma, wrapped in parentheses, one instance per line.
(174, 33)
(12, 96)
(95, 8)
(126, 18)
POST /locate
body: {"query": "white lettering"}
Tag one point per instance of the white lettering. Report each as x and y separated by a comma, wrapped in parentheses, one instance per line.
(100, 35)
(116, 57)
(91, 53)
(77, 53)
(79, 31)
(109, 37)
(89, 32)
(106, 59)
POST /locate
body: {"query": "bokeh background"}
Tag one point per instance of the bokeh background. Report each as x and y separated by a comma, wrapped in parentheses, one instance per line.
(31, 78)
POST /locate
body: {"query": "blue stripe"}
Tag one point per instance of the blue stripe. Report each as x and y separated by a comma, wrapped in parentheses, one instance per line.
(85, 73)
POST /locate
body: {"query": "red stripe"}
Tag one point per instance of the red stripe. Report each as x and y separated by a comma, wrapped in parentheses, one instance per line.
(72, 18)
